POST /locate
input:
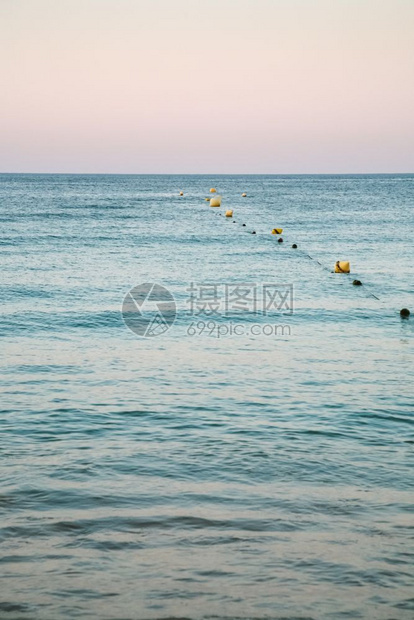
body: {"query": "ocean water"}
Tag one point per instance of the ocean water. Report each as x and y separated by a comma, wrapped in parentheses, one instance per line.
(200, 473)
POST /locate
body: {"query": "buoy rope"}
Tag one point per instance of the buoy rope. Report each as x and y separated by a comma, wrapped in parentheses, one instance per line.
(324, 267)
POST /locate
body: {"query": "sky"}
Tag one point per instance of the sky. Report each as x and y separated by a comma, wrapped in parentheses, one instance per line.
(207, 86)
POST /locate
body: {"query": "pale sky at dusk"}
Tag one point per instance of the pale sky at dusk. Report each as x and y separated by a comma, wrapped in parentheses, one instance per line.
(207, 86)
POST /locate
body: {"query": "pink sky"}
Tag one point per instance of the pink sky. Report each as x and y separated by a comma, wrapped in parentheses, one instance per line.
(211, 86)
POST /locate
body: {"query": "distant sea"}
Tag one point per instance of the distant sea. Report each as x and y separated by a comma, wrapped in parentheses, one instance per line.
(198, 473)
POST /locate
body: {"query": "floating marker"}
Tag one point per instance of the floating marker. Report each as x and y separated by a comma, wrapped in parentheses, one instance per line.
(213, 190)
(244, 195)
(405, 313)
(342, 266)
(215, 202)
(181, 193)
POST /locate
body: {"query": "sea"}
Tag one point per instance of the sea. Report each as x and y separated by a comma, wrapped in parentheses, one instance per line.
(198, 421)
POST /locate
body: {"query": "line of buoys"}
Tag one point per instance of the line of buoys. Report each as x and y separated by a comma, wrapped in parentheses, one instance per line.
(368, 293)
(342, 266)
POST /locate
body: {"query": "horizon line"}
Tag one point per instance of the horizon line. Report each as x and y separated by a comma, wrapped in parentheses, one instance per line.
(215, 174)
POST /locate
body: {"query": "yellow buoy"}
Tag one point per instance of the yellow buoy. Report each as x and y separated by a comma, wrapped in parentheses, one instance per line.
(181, 193)
(215, 202)
(207, 199)
(342, 266)
(277, 231)
(229, 213)
(212, 191)
(244, 195)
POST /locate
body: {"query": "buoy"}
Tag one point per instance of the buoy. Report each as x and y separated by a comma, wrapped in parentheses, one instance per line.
(234, 221)
(181, 193)
(215, 202)
(244, 195)
(277, 231)
(253, 232)
(207, 199)
(357, 283)
(294, 246)
(213, 190)
(342, 266)
(229, 213)
(405, 313)
(243, 224)
(280, 240)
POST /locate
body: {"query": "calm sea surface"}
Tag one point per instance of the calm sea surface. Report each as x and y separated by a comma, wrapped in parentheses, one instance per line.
(199, 474)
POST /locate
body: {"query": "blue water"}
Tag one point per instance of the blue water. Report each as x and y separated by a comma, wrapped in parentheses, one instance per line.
(199, 475)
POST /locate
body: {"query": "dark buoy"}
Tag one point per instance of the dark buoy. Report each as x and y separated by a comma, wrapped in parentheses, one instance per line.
(243, 224)
(405, 313)
(357, 283)
(253, 232)
(280, 240)
(294, 246)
